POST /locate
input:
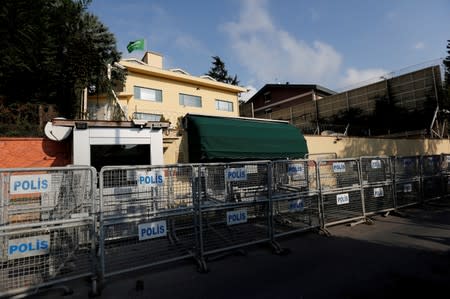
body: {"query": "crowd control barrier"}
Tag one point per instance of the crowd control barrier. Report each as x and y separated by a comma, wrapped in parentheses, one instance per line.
(47, 227)
(233, 205)
(56, 226)
(340, 189)
(431, 175)
(295, 197)
(445, 170)
(320, 156)
(407, 181)
(146, 217)
(377, 184)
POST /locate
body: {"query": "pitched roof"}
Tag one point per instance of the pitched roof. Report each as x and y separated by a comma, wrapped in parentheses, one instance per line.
(272, 86)
(141, 67)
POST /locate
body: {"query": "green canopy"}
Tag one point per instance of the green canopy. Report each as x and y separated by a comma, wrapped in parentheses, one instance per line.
(213, 138)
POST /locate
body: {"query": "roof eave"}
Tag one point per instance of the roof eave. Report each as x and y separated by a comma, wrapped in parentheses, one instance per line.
(153, 71)
(313, 86)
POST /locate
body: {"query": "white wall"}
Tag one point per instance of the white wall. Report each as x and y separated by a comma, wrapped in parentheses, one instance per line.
(83, 139)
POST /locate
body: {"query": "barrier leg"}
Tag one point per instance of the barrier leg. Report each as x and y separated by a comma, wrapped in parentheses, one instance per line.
(358, 222)
(324, 231)
(277, 249)
(201, 265)
(94, 292)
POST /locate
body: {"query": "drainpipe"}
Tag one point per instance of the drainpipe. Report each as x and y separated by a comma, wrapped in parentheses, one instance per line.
(84, 112)
(317, 111)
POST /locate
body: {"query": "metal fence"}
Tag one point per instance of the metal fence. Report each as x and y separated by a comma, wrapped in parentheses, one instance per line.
(321, 156)
(407, 181)
(431, 175)
(376, 183)
(146, 217)
(47, 227)
(340, 189)
(55, 225)
(233, 205)
(295, 197)
(445, 168)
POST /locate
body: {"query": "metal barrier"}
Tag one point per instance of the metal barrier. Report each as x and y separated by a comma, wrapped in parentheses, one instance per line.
(233, 205)
(47, 227)
(377, 184)
(339, 181)
(407, 181)
(146, 217)
(320, 156)
(445, 169)
(431, 174)
(150, 215)
(294, 197)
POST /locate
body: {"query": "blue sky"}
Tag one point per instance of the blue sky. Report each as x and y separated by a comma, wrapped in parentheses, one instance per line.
(336, 44)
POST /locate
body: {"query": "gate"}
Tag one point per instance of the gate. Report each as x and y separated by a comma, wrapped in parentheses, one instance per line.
(47, 227)
(146, 216)
(233, 205)
(377, 184)
(340, 187)
(431, 175)
(294, 197)
(407, 181)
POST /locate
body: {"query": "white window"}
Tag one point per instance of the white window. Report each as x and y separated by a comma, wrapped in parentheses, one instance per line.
(190, 100)
(224, 105)
(148, 94)
(147, 116)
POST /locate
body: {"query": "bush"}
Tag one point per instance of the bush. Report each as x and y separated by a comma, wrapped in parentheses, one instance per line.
(24, 119)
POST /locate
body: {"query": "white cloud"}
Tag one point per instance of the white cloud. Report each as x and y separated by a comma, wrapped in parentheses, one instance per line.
(419, 46)
(271, 53)
(355, 77)
(162, 30)
(245, 96)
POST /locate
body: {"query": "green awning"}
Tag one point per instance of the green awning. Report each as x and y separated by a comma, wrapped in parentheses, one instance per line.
(213, 138)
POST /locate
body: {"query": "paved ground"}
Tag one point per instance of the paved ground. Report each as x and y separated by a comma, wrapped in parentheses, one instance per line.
(398, 256)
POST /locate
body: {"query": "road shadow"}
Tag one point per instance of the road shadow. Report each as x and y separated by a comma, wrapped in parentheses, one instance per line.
(317, 267)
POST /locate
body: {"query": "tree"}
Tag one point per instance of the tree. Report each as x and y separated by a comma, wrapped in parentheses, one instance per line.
(51, 50)
(220, 73)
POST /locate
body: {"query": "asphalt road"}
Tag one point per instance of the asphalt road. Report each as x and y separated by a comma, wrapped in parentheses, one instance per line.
(398, 256)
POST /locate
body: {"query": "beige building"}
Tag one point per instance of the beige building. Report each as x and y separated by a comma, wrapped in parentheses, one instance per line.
(153, 93)
(156, 94)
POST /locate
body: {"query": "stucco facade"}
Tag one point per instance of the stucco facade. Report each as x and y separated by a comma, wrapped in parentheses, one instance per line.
(42, 152)
(355, 147)
(151, 91)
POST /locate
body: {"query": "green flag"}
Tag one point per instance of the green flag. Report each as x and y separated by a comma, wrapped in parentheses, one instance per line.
(136, 45)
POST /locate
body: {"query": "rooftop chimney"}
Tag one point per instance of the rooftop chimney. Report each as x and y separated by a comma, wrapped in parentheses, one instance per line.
(153, 59)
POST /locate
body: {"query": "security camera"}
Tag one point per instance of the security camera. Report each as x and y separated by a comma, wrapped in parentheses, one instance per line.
(139, 122)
